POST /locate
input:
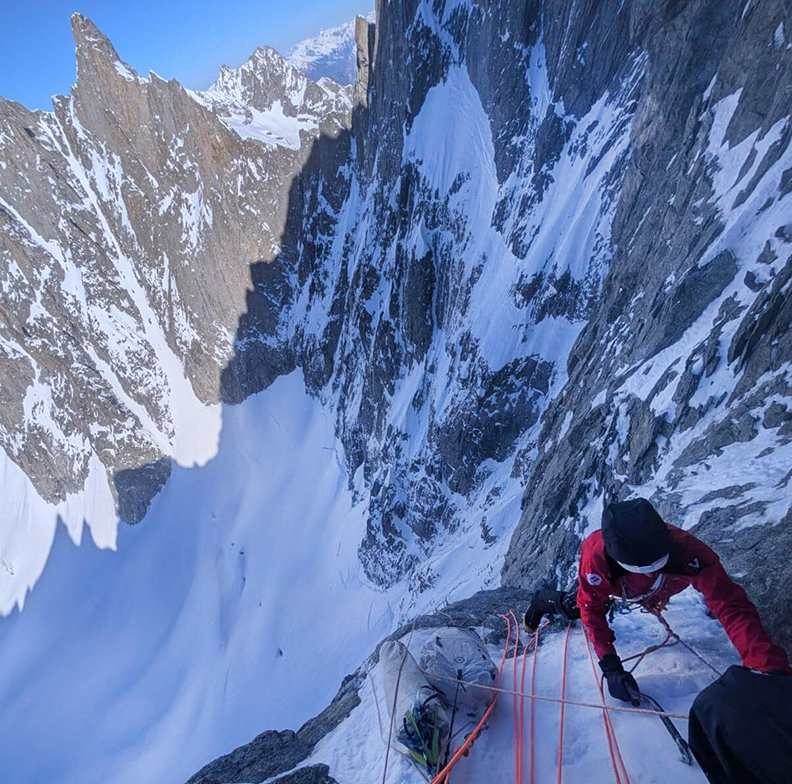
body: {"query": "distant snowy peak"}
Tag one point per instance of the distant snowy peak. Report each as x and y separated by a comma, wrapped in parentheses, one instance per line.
(270, 100)
(331, 54)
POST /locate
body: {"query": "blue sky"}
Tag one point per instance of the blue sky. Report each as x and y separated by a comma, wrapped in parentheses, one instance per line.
(188, 41)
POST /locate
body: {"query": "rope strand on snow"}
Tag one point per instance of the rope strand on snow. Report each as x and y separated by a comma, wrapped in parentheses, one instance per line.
(382, 732)
(563, 704)
(533, 702)
(543, 698)
(395, 697)
(516, 706)
(613, 743)
(671, 632)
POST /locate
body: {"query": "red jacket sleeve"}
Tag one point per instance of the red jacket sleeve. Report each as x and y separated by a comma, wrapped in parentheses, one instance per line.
(738, 616)
(593, 594)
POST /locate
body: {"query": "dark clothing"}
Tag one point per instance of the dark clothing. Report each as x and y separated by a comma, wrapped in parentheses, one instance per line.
(740, 728)
(691, 562)
(634, 533)
(550, 601)
(621, 684)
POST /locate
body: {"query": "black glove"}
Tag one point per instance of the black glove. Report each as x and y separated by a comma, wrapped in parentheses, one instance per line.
(550, 601)
(621, 684)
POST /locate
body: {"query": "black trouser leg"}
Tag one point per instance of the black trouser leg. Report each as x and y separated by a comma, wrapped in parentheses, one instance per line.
(741, 728)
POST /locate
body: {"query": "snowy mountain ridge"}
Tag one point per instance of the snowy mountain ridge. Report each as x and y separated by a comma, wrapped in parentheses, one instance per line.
(128, 218)
(543, 263)
(268, 99)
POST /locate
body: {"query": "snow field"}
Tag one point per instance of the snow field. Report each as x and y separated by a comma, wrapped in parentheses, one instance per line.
(674, 676)
(237, 605)
(144, 664)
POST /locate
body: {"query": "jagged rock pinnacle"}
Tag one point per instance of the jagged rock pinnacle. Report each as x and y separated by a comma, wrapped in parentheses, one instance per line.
(88, 37)
(94, 52)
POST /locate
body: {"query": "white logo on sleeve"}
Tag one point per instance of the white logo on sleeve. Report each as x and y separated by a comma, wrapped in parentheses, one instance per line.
(593, 579)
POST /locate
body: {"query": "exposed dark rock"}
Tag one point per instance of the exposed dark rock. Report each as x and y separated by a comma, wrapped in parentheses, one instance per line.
(137, 486)
(273, 753)
(316, 774)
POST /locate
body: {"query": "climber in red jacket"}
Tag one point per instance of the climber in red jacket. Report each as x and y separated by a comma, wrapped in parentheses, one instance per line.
(639, 558)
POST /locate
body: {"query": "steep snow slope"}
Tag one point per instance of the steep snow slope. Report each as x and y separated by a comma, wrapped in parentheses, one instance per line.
(545, 263)
(211, 619)
(129, 217)
(136, 665)
(608, 173)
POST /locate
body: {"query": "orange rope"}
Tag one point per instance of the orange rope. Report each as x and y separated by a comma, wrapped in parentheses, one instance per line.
(652, 648)
(533, 701)
(577, 703)
(563, 704)
(517, 707)
(443, 775)
(613, 743)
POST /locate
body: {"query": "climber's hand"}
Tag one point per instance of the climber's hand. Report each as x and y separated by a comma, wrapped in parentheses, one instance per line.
(621, 684)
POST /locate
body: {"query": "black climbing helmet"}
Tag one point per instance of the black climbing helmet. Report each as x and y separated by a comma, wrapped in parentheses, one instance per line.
(635, 536)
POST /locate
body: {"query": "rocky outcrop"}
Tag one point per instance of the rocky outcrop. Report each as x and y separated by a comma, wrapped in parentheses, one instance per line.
(679, 385)
(330, 54)
(274, 753)
(511, 181)
(129, 218)
(546, 253)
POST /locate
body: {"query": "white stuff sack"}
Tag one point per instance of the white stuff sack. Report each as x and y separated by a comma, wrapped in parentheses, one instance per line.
(408, 692)
(455, 655)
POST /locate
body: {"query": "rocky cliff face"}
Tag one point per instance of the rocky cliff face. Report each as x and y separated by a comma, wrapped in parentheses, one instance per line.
(537, 257)
(546, 253)
(594, 300)
(332, 54)
(679, 385)
(129, 217)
